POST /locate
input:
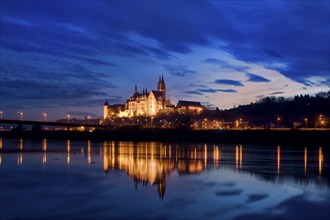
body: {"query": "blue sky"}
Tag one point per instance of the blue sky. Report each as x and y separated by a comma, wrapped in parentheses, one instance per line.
(65, 57)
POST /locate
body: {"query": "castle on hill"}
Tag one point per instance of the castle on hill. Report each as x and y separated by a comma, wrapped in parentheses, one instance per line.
(150, 104)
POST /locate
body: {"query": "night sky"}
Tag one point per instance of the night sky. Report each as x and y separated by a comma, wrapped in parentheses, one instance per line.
(67, 57)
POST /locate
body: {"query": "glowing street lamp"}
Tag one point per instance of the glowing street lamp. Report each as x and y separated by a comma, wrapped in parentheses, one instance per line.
(44, 115)
(89, 118)
(1, 114)
(68, 116)
(20, 115)
(278, 121)
(306, 120)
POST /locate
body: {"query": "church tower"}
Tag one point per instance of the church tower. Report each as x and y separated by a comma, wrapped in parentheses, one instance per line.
(161, 86)
(105, 109)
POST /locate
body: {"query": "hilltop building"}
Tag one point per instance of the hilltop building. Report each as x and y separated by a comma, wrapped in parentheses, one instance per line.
(150, 104)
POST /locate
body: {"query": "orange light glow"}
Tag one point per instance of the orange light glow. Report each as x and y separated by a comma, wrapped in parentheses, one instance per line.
(320, 160)
(237, 156)
(89, 156)
(205, 155)
(305, 160)
(20, 144)
(68, 148)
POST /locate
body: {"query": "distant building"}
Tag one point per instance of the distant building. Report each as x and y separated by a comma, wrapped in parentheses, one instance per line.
(189, 106)
(150, 104)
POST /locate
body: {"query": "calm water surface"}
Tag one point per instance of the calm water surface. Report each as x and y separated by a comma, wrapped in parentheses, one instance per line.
(134, 180)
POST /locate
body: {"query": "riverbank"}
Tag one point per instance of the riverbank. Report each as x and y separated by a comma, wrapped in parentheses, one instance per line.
(181, 135)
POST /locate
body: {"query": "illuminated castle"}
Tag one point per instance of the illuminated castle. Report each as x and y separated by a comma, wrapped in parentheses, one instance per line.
(149, 104)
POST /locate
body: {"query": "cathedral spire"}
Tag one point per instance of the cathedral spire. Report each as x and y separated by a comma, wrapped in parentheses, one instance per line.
(135, 89)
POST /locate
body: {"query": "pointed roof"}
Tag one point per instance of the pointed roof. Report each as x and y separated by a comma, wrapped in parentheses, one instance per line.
(106, 102)
(157, 94)
(135, 89)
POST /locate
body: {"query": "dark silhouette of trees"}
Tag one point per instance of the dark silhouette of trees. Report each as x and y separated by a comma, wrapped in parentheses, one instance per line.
(269, 109)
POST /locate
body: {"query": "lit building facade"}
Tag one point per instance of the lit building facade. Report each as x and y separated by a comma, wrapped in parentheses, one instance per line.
(149, 104)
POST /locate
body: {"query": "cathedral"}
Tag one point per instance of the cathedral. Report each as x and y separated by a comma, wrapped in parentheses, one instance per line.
(142, 104)
(150, 104)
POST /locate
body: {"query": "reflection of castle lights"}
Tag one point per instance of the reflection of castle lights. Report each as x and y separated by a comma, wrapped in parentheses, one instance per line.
(44, 149)
(68, 146)
(278, 159)
(239, 156)
(320, 160)
(205, 155)
(305, 160)
(20, 144)
(89, 157)
(20, 159)
(105, 156)
(216, 155)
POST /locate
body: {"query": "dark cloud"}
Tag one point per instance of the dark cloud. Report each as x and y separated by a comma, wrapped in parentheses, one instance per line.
(256, 78)
(179, 70)
(95, 61)
(276, 93)
(225, 65)
(216, 90)
(227, 90)
(294, 34)
(194, 92)
(208, 90)
(228, 82)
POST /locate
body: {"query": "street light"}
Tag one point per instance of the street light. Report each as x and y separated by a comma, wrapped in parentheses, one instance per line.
(44, 116)
(20, 115)
(306, 119)
(1, 114)
(278, 121)
(68, 117)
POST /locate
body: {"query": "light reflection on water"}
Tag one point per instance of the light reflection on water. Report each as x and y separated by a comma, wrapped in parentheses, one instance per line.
(205, 180)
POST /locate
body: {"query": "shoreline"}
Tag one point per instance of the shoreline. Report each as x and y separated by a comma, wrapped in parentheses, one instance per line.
(181, 135)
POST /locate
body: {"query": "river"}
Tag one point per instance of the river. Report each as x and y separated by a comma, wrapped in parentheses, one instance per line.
(48, 179)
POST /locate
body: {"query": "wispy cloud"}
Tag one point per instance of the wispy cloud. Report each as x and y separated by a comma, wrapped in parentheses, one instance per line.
(228, 82)
(179, 70)
(256, 78)
(276, 93)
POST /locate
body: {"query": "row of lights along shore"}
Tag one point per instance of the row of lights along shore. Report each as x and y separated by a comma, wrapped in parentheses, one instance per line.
(320, 120)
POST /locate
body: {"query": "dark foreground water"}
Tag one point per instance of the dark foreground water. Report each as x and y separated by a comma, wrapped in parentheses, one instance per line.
(126, 180)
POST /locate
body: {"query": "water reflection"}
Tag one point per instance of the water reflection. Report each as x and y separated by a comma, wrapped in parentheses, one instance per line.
(20, 147)
(20, 144)
(68, 149)
(44, 149)
(150, 163)
(239, 157)
(89, 149)
(320, 160)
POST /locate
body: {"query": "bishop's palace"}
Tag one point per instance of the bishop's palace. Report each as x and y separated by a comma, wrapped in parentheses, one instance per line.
(150, 104)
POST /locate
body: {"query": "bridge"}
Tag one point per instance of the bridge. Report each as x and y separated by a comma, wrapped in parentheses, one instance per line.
(49, 123)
